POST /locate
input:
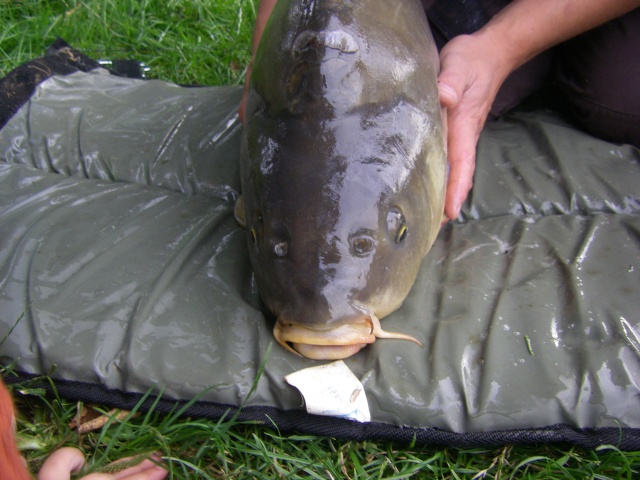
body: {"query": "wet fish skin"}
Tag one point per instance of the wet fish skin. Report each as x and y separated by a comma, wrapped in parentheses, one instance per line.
(343, 167)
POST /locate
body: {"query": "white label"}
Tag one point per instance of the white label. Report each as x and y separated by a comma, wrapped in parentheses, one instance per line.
(332, 390)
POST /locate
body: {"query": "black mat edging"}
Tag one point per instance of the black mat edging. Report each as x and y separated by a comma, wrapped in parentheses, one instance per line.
(17, 87)
(623, 438)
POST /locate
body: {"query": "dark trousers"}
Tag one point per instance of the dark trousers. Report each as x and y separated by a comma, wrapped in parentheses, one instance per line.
(598, 73)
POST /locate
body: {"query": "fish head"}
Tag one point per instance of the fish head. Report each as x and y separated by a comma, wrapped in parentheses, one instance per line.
(340, 211)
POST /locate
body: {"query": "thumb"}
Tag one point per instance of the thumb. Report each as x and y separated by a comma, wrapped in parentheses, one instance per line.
(454, 75)
(61, 463)
(449, 92)
(452, 83)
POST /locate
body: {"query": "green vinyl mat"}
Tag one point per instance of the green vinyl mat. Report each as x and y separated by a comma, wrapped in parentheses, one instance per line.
(122, 265)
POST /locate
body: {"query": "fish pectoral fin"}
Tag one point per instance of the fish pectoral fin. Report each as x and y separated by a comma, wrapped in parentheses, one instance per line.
(238, 212)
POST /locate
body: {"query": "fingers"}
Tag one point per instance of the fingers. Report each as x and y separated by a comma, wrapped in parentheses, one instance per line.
(467, 85)
(448, 95)
(463, 130)
(67, 460)
(464, 127)
(245, 93)
(61, 464)
(242, 107)
(456, 71)
(264, 12)
(147, 470)
(460, 176)
(453, 82)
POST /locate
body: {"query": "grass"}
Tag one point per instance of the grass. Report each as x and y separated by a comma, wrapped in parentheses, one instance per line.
(205, 449)
(183, 41)
(207, 43)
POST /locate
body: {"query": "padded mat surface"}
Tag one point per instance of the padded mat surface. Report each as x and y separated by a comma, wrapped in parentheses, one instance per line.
(121, 258)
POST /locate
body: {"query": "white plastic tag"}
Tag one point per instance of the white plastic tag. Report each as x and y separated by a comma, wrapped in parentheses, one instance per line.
(332, 390)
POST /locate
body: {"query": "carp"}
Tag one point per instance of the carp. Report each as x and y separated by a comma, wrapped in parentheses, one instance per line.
(343, 168)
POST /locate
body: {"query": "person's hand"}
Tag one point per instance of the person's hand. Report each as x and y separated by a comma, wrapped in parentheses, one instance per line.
(245, 93)
(470, 75)
(264, 11)
(67, 460)
(473, 68)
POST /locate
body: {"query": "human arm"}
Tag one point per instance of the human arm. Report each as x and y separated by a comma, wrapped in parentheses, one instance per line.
(264, 11)
(473, 67)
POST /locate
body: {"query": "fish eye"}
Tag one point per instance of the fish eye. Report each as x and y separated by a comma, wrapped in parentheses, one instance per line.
(256, 231)
(362, 245)
(402, 233)
(281, 249)
(397, 225)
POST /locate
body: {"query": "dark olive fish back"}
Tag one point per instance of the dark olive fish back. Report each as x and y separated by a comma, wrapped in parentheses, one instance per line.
(343, 167)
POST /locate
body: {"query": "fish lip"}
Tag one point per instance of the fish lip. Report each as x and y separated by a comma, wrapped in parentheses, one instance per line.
(356, 332)
(333, 343)
(327, 352)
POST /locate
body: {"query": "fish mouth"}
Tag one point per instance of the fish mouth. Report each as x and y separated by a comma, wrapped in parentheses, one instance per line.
(336, 343)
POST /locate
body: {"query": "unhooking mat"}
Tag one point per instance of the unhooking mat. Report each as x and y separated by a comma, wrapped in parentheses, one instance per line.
(122, 270)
